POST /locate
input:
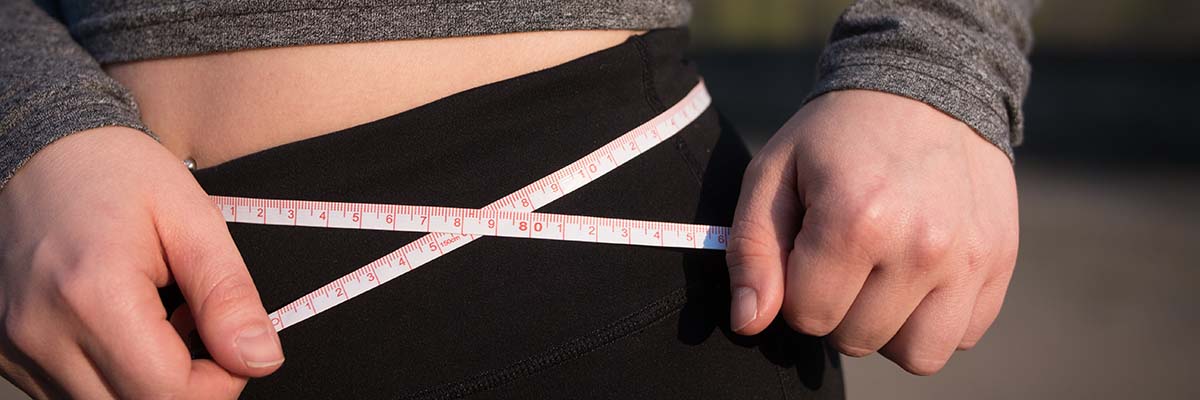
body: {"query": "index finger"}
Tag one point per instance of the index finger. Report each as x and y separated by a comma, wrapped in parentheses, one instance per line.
(766, 220)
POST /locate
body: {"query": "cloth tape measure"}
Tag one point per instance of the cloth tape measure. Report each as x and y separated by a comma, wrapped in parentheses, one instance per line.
(512, 216)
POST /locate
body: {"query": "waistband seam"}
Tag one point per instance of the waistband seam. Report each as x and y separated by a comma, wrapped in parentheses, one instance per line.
(574, 349)
(658, 105)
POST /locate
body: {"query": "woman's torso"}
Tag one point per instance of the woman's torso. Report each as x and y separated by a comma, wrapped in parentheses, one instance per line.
(511, 318)
(216, 107)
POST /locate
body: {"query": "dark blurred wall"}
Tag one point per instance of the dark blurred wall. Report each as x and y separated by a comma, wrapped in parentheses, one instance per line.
(1093, 26)
(1115, 82)
(1126, 26)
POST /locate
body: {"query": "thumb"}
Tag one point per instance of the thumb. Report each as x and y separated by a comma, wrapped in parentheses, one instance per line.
(220, 294)
(764, 224)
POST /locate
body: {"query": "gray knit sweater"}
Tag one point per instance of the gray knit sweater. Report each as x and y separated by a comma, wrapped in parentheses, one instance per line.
(964, 57)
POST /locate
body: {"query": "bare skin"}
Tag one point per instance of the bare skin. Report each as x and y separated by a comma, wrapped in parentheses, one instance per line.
(906, 245)
(214, 108)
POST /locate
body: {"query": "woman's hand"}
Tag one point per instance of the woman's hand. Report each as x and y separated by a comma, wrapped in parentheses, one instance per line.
(90, 227)
(880, 222)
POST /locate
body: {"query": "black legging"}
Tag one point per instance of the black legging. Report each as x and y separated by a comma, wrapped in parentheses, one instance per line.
(512, 318)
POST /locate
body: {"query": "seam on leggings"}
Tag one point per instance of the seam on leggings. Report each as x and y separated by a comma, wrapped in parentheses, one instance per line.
(780, 372)
(573, 349)
(693, 165)
(648, 88)
(659, 106)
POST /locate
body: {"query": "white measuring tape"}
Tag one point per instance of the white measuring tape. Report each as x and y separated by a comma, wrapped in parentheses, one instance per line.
(512, 216)
(467, 221)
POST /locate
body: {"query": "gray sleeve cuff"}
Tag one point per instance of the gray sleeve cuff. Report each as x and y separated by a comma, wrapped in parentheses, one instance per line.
(50, 87)
(966, 58)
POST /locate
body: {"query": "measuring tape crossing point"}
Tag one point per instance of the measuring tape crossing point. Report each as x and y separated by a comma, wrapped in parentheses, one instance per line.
(517, 205)
(467, 221)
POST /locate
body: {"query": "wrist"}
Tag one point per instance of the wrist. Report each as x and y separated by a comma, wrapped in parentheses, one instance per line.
(914, 119)
(96, 149)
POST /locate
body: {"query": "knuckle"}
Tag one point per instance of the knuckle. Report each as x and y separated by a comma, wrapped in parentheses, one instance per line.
(930, 245)
(44, 253)
(227, 297)
(746, 244)
(978, 260)
(865, 222)
(855, 346)
(923, 366)
(72, 287)
(77, 288)
(755, 168)
(742, 248)
(205, 212)
(19, 331)
(206, 209)
(812, 325)
(856, 350)
(971, 338)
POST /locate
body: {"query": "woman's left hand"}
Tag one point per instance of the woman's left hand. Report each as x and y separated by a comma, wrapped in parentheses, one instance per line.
(880, 222)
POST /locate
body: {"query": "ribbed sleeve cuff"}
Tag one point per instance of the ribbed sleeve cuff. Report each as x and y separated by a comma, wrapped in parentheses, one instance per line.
(959, 95)
(26, 138)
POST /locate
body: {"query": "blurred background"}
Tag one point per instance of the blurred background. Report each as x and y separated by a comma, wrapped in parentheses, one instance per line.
(1105, 302)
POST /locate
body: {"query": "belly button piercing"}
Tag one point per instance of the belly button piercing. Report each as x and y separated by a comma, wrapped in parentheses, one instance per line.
(190, 164)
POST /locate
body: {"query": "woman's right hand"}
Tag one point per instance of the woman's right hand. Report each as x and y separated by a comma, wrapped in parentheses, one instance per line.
(89, 229)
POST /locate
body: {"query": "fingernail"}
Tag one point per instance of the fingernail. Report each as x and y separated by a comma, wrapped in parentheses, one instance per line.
(745, 307)
(259, 348)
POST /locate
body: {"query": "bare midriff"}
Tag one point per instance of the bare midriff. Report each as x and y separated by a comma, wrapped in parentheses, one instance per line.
(216, 107)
